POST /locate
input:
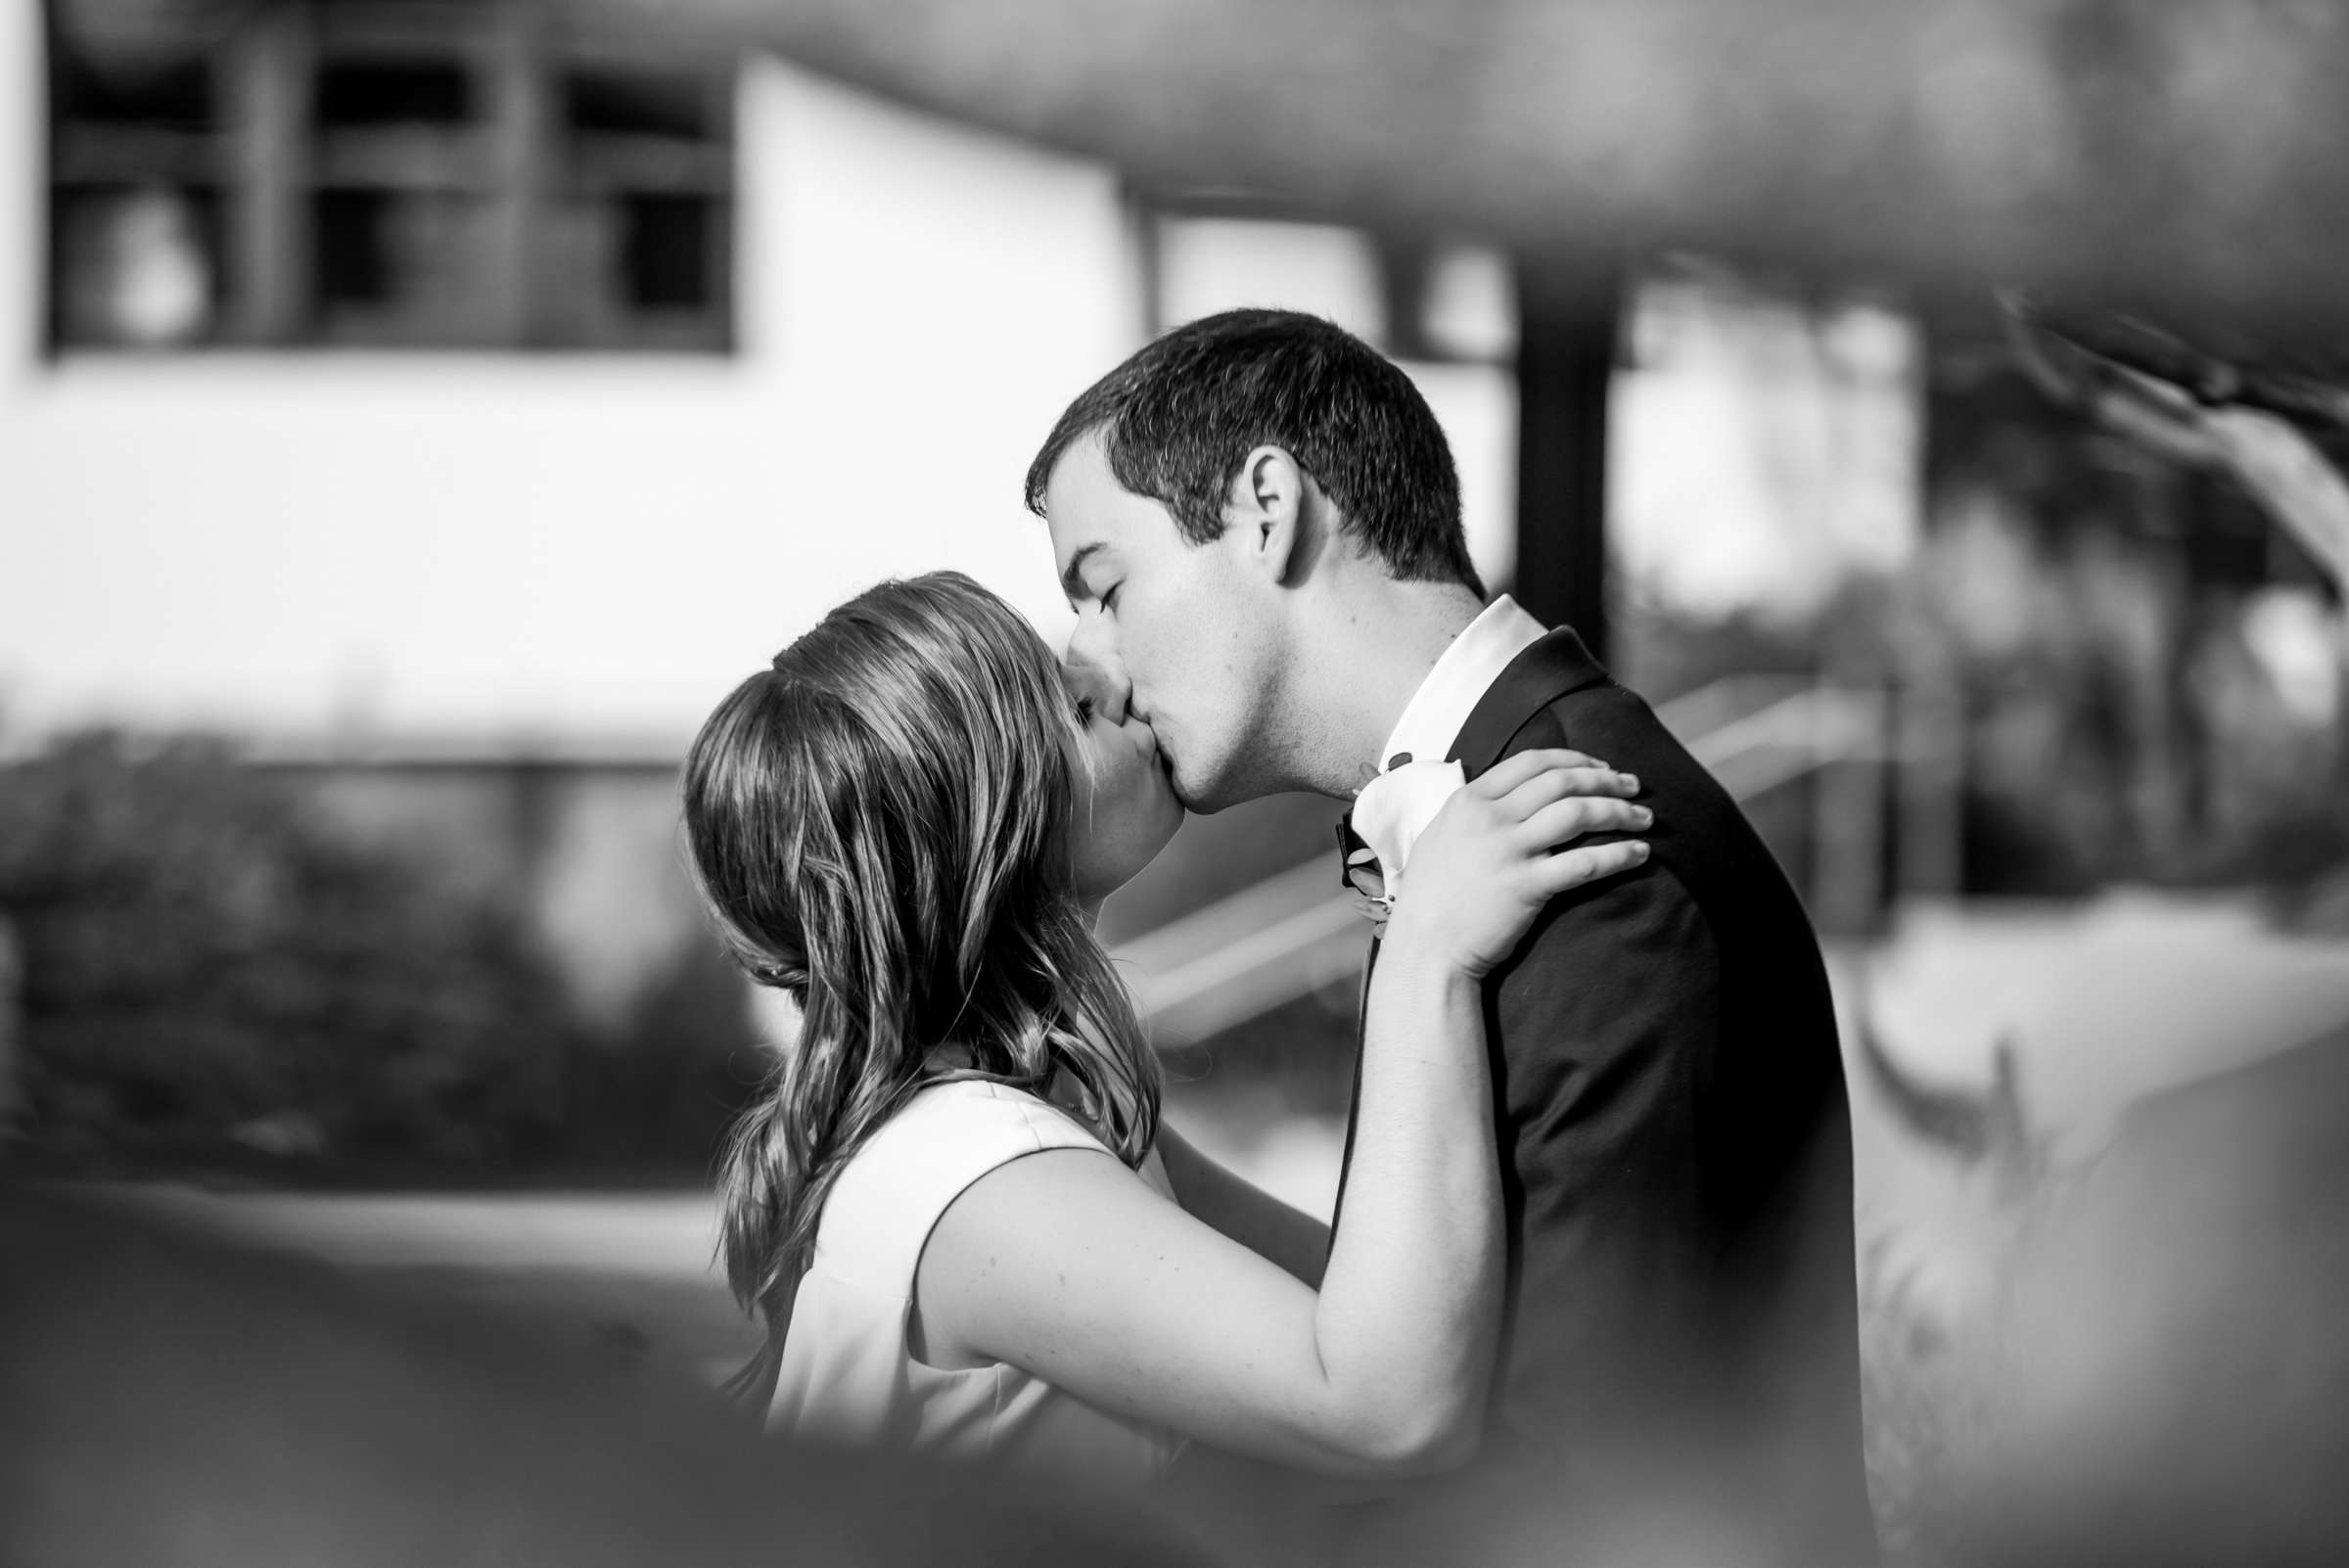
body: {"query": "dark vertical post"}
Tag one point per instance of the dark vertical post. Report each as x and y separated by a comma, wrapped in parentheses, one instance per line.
(1403, 264)
(267, 88)
(1565, 362)
(518, 130)
(1973, 425)
(1144, 229)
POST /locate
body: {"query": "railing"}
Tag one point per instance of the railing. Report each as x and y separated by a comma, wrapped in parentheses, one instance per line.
(1297, 932)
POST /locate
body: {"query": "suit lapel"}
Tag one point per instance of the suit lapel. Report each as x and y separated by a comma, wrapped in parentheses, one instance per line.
(1541, 674)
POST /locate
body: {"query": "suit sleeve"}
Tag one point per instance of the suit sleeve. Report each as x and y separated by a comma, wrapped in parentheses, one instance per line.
(1603, 1027)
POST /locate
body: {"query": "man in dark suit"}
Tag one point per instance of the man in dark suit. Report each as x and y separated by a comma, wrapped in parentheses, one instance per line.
(1258, 521)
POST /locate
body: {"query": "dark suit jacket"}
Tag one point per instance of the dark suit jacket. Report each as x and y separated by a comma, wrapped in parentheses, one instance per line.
(1679, 1377)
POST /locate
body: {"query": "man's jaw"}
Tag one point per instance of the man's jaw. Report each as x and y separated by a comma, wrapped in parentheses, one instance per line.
(1174, 777)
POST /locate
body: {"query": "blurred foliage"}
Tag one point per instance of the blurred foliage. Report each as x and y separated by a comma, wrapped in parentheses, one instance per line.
(210, 971)
(2151, 671)
(2149, 681)
(656, 1092)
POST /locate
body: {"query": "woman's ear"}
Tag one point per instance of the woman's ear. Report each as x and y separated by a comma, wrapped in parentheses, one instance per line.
(1267, 511)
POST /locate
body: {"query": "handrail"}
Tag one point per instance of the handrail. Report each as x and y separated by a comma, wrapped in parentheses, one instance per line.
(1242, 956)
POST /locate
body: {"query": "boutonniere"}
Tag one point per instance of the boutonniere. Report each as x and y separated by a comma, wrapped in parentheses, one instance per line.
(1371, 899)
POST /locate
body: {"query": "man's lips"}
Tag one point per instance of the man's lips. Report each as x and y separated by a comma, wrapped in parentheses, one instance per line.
(1157, 755)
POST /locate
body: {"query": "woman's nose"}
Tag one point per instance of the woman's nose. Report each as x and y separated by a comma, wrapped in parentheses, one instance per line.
(1104, 684)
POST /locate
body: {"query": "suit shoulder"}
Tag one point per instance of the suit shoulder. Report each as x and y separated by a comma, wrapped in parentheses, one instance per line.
(1606, 722)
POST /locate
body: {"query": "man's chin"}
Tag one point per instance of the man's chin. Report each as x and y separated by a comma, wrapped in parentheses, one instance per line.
(1183, 794)
(1188, 798)
(1201, 804)
(1205, 792)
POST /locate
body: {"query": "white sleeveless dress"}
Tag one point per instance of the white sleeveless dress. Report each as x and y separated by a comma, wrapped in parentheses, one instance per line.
(848, 1378)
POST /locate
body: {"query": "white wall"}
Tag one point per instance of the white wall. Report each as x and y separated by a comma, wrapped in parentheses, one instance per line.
(515, 548)
(599, 545)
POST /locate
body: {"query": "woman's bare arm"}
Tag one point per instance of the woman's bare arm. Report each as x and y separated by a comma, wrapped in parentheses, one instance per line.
(1240, 1211)
(1067, 1264)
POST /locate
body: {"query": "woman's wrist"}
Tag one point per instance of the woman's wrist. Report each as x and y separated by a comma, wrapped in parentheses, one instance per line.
(1423, 958)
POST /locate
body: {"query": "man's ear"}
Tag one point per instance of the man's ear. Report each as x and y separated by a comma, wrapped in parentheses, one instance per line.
(1266, 509)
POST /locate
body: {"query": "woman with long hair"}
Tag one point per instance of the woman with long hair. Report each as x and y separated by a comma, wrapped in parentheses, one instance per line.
(953, 1203)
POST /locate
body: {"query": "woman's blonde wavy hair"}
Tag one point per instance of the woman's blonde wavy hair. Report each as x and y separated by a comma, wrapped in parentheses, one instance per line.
(878, 825)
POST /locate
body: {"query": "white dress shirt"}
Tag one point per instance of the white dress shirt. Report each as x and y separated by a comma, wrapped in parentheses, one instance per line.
(1413, 779)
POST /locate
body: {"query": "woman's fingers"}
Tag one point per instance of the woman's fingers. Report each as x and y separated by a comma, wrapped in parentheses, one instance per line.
(1572, 868)
(1503, 776)
(1578, 815)
(1564, 783)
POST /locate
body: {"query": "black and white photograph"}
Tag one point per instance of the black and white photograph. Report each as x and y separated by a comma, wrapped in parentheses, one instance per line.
(1220, 783)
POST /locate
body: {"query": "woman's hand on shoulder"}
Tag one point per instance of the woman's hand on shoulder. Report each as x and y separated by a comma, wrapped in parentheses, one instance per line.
(1488, 861)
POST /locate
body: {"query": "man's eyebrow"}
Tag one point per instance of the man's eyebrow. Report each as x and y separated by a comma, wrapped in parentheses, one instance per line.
(1072, 581)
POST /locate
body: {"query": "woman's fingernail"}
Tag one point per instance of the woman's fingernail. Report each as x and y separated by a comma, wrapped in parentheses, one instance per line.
(1642, 815)
(1639, 850)
(1631, 781)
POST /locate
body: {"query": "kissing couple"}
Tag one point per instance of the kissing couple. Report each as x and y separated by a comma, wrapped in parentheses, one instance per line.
(1588, 1295)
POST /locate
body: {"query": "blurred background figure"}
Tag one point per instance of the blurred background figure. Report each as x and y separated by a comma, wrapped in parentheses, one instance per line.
(413, 416)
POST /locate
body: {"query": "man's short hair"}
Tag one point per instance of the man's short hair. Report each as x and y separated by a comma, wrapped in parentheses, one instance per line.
(1180, 417)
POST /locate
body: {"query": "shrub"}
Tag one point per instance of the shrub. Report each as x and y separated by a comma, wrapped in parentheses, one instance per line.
(204, 959)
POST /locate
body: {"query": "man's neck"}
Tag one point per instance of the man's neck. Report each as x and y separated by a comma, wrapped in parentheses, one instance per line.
(1360, 660)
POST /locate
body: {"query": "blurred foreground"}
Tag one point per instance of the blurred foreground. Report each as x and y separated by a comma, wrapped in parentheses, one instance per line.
(2158, 1372)
(185, 1401)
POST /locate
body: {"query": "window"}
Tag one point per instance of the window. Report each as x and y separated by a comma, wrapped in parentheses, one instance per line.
(385, 173)
(1210, 250)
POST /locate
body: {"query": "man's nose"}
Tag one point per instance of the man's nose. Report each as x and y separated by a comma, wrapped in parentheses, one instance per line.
(1096, 673)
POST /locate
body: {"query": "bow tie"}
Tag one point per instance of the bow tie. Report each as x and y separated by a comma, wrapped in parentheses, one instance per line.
(1392, 811)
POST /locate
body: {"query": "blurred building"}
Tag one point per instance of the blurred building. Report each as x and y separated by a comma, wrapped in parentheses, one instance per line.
(457, 398)
(406, 368)
(491, 368)
(454, 399)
